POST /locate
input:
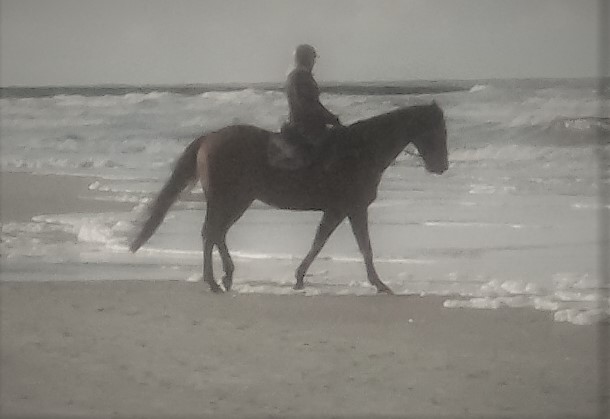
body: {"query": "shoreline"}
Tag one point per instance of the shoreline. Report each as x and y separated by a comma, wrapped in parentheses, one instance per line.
(26, 195)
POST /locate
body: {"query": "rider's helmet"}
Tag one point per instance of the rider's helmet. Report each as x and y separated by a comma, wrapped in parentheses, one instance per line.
(305, 55)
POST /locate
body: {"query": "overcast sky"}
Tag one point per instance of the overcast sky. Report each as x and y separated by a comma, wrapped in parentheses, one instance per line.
(84, 42)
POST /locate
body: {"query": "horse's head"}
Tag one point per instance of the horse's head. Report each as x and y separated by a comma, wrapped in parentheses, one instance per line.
(431, 143)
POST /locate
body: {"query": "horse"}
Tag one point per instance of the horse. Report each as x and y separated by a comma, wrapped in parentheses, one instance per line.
(233, 168)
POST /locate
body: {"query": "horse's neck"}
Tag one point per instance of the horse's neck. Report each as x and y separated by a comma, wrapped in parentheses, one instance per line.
(382, 141)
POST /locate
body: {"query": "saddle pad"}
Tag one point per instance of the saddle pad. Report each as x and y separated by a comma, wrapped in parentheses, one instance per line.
(284, 154)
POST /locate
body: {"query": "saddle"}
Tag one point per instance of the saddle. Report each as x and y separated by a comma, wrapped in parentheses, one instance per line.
(291, 150)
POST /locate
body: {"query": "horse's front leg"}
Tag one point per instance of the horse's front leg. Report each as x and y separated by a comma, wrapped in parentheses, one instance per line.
(328, 224)
(360, 226)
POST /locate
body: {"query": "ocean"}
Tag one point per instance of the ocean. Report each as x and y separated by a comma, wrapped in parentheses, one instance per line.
(513, 222)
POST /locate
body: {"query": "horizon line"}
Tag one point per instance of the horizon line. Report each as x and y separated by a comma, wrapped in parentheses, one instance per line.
(273, 83)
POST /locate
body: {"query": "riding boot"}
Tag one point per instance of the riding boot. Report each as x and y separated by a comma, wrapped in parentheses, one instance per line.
(330, 146)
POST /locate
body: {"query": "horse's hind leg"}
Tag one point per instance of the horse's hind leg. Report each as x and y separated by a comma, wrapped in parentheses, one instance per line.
(232, 213)
(359, 221)
(209, 234)
(220, 216)
(328, 224)
(227, 264)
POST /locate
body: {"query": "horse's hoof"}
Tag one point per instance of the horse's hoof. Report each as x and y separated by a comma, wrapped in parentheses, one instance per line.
(385, 290)
(227, 283)
(215, 288)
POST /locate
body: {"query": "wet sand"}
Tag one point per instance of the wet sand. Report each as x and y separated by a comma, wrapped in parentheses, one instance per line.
(173, 349)
(23, 196)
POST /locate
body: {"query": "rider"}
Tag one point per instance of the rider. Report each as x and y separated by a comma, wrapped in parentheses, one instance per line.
(307, 115)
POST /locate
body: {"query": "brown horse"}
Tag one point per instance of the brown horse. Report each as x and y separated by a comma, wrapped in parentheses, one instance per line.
(232, 166)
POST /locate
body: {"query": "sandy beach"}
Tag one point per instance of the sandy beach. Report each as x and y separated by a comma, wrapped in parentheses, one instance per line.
(172, 349)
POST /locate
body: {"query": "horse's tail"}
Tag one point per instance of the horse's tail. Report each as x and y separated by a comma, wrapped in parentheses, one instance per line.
(185, 172)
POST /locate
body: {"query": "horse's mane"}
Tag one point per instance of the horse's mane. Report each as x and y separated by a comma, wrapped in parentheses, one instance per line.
(362, 134)
(424, 113)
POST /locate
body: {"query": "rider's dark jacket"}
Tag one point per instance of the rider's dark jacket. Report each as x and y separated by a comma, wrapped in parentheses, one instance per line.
(307, 114)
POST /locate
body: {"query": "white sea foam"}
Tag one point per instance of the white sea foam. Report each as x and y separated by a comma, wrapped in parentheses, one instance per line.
(569, 306)
(407, 261)
(464, 224)
(580, 317)
(478, 88)
(587, 206)
(194, 278)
